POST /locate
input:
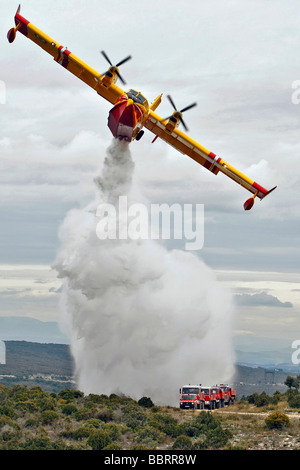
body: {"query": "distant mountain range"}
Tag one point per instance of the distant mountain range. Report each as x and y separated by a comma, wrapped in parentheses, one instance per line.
(249, 350)
(30, 329)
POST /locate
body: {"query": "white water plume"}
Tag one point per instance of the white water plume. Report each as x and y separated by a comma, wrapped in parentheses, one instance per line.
(143, 320)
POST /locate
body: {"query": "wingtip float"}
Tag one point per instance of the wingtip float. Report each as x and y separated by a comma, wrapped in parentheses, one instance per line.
(131, 110)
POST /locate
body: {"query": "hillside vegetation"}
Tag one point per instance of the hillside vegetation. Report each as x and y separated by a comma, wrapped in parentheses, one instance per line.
(33, 419)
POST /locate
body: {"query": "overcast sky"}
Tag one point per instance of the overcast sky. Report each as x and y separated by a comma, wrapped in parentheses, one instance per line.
(238, 59)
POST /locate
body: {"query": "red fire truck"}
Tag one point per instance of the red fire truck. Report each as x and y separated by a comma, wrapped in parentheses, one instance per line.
(200, 397)
(210, 398)
(191, 396)
(228, 394)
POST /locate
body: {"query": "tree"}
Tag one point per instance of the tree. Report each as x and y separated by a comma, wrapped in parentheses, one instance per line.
(292, 382)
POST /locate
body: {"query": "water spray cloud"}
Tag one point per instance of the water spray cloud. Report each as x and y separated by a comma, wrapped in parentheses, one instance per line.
(143, 320)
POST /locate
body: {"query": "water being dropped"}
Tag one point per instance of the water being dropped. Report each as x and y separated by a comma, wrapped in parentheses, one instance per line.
(142, 320)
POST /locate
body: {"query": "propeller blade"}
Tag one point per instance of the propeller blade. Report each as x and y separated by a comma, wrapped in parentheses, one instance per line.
(123, 61)
(188, 107)
(172, 102)
(166, 118)
(104, 55)
(183, 123)
(121, 78)
(178, 113)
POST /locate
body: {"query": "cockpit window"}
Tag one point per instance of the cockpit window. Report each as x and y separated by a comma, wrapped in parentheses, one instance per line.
(136, 96)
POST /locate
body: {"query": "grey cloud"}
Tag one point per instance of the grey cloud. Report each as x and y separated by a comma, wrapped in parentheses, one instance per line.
(260, 300)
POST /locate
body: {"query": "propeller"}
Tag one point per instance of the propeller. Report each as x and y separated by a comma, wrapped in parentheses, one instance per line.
(178, 113)
(115, 67)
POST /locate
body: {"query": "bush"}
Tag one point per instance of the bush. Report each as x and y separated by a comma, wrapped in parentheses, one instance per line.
(105, 414)
(99, 439)
(183, 443)
(38, 443)
(48, 416)
(113, 446)
(149, 435)
(217, 438)
(146, 402)
(293, 399)
(113, 430)
(7, 410)
(277, 420)
(68, 394)
(81, 433)
(69, 409)
(31, 423)
(263, 399)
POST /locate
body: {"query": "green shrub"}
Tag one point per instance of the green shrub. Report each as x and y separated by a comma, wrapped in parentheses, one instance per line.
(68, 394)
(85, 413)
(293, 399)
(4, 420)
(217, 438)
(69, 409)
(26, 406)
(98, 439)
(7, 410)
(81, 433)
(183, 443)
(150, 435)
(31, 423)
(262, 400)
(105, 414)
(146, 402)
(200, 444)
(277, 420)
(172, 430)
(38, 443)
(113, 446)
(113, 430)
(134, 416)
(49, 416)
(93, 423)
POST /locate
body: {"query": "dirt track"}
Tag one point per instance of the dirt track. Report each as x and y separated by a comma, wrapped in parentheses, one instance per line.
(260, 414)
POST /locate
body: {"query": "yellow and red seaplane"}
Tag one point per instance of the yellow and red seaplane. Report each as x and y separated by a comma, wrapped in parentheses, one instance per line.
(131, 111)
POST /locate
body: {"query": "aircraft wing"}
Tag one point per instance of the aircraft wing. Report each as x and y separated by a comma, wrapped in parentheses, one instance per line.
(65, 58)
(206, 158)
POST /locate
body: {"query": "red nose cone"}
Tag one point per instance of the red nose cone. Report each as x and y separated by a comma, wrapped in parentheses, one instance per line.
(249, 203)
(121, 121)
